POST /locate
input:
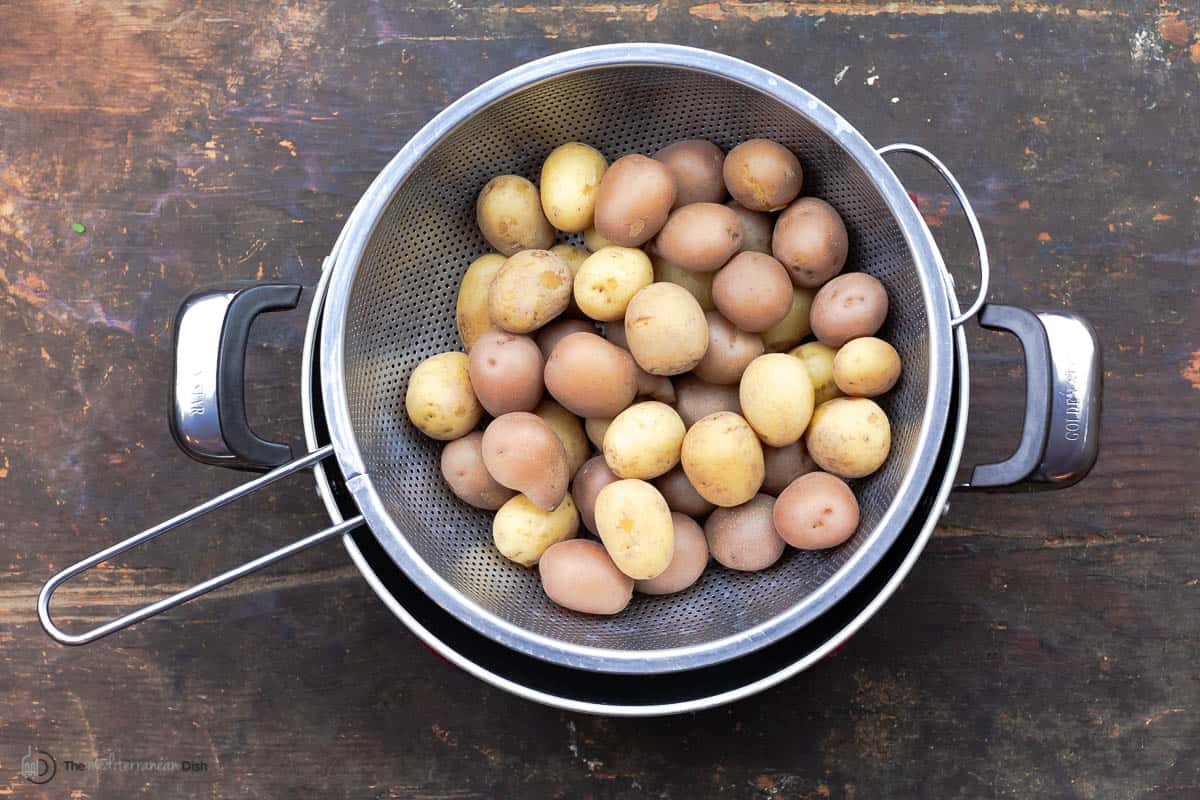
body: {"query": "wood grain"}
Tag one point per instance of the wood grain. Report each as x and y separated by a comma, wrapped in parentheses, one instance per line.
(1045, 644)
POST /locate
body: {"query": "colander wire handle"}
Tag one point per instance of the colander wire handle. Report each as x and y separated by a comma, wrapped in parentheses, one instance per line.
(965, 204)
(47, 592)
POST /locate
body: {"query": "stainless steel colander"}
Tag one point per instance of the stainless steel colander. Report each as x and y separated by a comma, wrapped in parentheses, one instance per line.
(391, 292)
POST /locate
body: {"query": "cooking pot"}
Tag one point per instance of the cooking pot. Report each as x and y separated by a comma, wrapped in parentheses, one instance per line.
(386, 302)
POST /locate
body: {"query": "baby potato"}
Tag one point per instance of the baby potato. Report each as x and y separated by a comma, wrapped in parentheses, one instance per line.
(635, 197)
(465, 473)
(723, 459)
(687, 561)
(590, 376)
(439, 399)
(656, 387)
(866, 367)
(744, 538)
(681, 496)
(696, 166)
(471, 309)
(810, 240)
(699, 284)
(574, 256)
(756, 228)
(784, 465)
(569, 429)
(816, 511)
(506, 372)
(665, 329)
(531, 288)
(594, 242)
(776, 396)
(695, 399)
(849, 437)
(849, 306)
(570, 177)
(700, 236)
(791, 330)
(818, 359)
(595, 428)
(554, 332)
(509, 214)
(524, 453)
(644, 440)
(762, 175)
(753, 291)
(609, 279)
(615, 333)
(593, 476)
(578, 575)
(522, 532)
(635, 524)
(729, 352)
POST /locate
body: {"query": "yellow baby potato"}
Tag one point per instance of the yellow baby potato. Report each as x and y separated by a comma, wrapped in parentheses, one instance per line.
(439, 400)
(644, 441)
(522, 531)
(608, 280)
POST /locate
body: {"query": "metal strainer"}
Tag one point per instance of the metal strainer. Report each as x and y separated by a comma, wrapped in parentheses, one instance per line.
(395, 274)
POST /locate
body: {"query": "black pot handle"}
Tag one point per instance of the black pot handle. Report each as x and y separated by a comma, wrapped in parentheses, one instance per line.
(208, 402)
(1060, 436)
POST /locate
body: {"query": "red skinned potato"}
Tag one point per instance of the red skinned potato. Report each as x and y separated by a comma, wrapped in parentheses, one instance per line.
(756, 228)
(591, 377)
(696, 399)
(700, 236)
(687, 562)
(570, 432)
(753, 291)
(816, 511)
(464, 471)
(730, 351)
(506, 372)
(593, 476)
(811, 242)
(785, 464)
(762, 175)
(579, 575)
(635, 196)
(681, 496)
(524, 453)
(560, 329)
(696, 166)
(849, 306)
(744, 538)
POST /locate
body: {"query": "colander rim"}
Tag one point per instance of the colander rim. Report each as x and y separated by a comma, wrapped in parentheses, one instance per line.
(346, 259)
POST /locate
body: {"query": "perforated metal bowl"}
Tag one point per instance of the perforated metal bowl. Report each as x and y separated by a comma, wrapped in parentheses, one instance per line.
(391, 305)
(389, 290)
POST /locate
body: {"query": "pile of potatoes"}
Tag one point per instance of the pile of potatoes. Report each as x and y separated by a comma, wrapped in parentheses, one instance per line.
(674, 343)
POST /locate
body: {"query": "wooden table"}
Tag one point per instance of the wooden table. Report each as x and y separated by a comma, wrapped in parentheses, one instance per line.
(1046, 645)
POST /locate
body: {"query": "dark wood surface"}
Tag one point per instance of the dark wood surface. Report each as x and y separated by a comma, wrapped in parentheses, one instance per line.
(1045, 645)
